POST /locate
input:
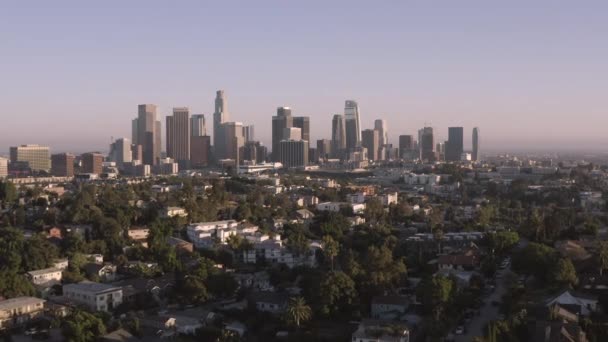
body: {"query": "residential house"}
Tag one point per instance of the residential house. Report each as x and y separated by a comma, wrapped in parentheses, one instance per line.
(271, 302)
(104, 272)
(371, 330)
(389, 307)
(45, 277)
(95, 296)
(180, 245)
(20, 310)
(173, 212)
(584, 303)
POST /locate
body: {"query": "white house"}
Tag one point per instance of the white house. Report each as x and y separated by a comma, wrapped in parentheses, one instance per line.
(587, 303)
(95, 296)
(45, 277)
(389, 307)
(174, 212)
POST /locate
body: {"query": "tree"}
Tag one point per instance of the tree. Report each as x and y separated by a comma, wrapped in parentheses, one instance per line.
(330, 249)
(602, 257)
(337, 294)
(298, 311)
(382, 271)
(82, 326)
(435, 293)
(8, 192)
(564, 273)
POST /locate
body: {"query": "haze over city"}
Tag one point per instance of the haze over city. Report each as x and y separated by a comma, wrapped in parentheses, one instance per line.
(532, 76)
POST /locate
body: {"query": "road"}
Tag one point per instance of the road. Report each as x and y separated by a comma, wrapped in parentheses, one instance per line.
(488, 312)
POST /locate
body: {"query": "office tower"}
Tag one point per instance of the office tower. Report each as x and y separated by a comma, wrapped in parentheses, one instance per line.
(475, 155)
(200, 151)
(3, 167)
(62, 165)
(137, 153)
(338, 136)
(323, 148)
(92, 163)
(392, 153)
(198, 127)
(371, 141)
(440, 150)
(303, 123)
(254, 152)
(455, 145)
(34, 157)
(282, 120)
(233, 140)
(382, 127)
(426, 144)
(178, 136)
(249, 133)
(220, 115)
(352, 124)
(293, 153)
(292, 133)
(406, 145)
(120, 152)
(147, 133)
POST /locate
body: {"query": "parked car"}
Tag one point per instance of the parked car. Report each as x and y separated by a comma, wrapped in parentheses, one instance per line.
(459, 330)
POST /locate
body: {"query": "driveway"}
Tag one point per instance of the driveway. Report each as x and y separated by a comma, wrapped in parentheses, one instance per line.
(488, 312)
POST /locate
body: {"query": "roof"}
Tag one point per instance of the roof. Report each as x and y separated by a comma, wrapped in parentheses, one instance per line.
(89, 286)
(15, 303)
(270, 297)
(119, 335)
(44, 271)
(390, 300)
(457, 259)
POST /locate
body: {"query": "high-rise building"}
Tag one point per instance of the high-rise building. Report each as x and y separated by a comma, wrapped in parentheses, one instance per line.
(137, 153)
(62, 165)
(426, 144)
(323, 148)
(220, 115)
(147, 133)
(254, 152)
(303, 123)
(455, 144)
(352, 124)
(35, 157)
(338, 136)
(178, 136)
(120, 152)
(282, 120)
(249, 133)
(3, 167)
(293, 153)
(382, 127)
(292, 133)
(371, 141)
(92, 163)
(406, 143)
(198, 126)
(233, 140)
(475, 155)
(200, 151)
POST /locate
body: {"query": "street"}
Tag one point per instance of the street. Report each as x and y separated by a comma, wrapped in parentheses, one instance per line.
(488, 312)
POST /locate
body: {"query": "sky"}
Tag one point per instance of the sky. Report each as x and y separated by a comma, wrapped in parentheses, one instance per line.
(529, 74)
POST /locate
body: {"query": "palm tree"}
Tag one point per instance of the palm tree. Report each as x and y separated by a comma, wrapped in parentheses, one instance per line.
(330, 248)
(298, 311)
(602, 257)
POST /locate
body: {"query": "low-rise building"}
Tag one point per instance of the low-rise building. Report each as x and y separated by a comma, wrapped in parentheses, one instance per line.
(381, 331)
(20, 310)
(45, 277)
(95, 296)
(174, 212)
(389, 307)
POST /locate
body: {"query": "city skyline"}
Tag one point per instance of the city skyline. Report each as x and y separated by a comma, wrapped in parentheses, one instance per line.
(412, 64)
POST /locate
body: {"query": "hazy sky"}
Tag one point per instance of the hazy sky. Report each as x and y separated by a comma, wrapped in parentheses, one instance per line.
(528, 73)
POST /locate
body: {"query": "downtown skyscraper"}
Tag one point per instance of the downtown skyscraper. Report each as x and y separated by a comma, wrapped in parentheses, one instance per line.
(352, 124)
(220, 116)
(178, 136)
(146, 133)
(475, 155)
(426, 144)
(382, 127)
(455, 144)
(338, 136)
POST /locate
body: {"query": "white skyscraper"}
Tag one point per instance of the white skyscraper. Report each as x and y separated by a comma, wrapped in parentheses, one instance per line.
(198, 127)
